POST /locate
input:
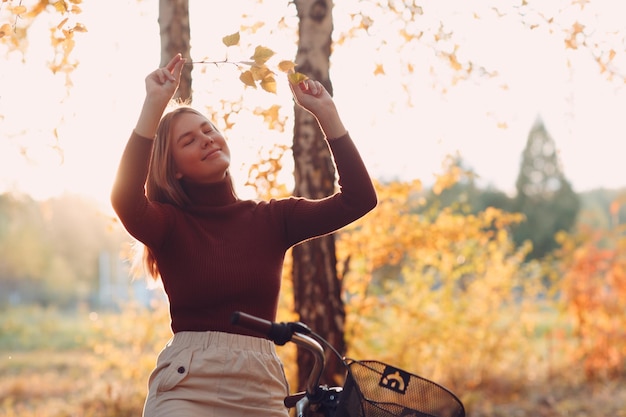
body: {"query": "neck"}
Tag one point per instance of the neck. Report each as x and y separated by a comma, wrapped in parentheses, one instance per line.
(213, 194)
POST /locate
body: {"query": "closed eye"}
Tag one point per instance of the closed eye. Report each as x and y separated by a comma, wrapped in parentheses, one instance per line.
(188, 137)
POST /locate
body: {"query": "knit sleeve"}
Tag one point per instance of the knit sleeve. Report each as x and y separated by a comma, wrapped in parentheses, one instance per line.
(144, 220)
(307, 218)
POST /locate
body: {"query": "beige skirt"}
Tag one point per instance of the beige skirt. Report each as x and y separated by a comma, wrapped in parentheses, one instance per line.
(214, 374)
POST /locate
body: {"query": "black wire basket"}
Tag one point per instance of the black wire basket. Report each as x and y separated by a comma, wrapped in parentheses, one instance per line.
(375, 389)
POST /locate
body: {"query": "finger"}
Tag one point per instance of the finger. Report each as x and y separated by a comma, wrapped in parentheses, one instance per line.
(320, 89)
(295, 89)
(316, 88)
(163, 75)
(178, 68)
(160, 75)
(305, 85)
(175, 60)
(311, 87)
(166, 75)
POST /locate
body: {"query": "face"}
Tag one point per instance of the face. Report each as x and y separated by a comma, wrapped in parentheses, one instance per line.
(200, 152)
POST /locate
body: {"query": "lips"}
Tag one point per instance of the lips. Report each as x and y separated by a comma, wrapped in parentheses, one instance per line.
(210, 153)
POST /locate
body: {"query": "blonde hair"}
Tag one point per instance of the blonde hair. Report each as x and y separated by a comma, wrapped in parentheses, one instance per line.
(162, 185)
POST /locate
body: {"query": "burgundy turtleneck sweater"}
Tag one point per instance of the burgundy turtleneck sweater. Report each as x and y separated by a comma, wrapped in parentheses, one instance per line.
(222, 254)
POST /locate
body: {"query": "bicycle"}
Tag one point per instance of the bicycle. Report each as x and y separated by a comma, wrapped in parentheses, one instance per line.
(371, 388)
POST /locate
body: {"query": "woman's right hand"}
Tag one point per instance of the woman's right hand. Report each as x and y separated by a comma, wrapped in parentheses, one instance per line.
(163, 82)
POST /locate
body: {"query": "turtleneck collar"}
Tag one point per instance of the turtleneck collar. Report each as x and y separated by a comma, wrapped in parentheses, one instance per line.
(213, 194)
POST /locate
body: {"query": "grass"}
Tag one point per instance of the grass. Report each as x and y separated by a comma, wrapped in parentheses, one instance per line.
(67, 389)
(55, 364)
(82, 364)
(34, 328)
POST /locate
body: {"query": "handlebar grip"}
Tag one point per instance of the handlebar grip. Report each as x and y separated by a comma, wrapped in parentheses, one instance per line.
(279, 333)
(251, 322)
(290, 401)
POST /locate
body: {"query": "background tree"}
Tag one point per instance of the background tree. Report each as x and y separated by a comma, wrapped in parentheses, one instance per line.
(49, 251)
(544, 195)
(317, 288)
(176, 38)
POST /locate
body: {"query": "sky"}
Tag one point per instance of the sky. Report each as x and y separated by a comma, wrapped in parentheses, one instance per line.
(403, 123)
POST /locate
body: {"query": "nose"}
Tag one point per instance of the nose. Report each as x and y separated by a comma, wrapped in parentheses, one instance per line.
(208, 140)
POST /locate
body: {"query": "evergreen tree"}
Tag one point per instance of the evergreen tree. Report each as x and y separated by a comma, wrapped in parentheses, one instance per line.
(465, 195)
(544, 195)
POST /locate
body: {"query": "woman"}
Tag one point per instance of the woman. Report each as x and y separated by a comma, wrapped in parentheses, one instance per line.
(217, 254)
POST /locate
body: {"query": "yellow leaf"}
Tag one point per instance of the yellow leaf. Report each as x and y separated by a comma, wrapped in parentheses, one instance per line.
(37, 9)
(379, 70)
(581, 3)
(231, 40)
(254, 28)
(570, 43)
(408, 37)
(227, 123)
(19, 9)
(271, 116)
(60, 6)
(247, 78)
(5, 30)
(269, 84)
(578, 28)
(262, 54)
(297, 77)
(61, 23)
(260, 72)
(80, 28)
(286, 66)
(454, 62)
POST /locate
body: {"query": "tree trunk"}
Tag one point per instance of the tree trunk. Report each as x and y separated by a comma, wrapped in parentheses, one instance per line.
(175, 38)
(317, 289)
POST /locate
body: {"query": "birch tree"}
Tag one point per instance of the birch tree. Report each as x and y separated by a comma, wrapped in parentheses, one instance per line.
(175, 34)
(317, 288)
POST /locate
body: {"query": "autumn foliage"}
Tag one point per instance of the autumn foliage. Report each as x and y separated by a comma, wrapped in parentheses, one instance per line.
(63, 28)
(256, 72)
(441, 292)
(594, 299)
(448, 294)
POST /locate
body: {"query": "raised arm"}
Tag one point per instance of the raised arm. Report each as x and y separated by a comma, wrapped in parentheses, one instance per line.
(161, 85)
(356, 196)
(128, 196)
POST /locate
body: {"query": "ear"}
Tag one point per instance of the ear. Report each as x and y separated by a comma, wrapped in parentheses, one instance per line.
(178, 175)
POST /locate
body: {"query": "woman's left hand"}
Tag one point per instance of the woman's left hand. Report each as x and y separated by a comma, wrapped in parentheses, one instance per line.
(313, 97)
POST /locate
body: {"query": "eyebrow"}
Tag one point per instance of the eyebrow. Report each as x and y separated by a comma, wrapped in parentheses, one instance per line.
(184, 135)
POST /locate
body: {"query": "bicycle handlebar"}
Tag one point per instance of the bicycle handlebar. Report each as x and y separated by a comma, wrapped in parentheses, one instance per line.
(323, 400)
(279, 333)
(296, 332)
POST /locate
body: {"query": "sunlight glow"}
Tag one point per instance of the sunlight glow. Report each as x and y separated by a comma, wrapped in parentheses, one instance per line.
(54, 141)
